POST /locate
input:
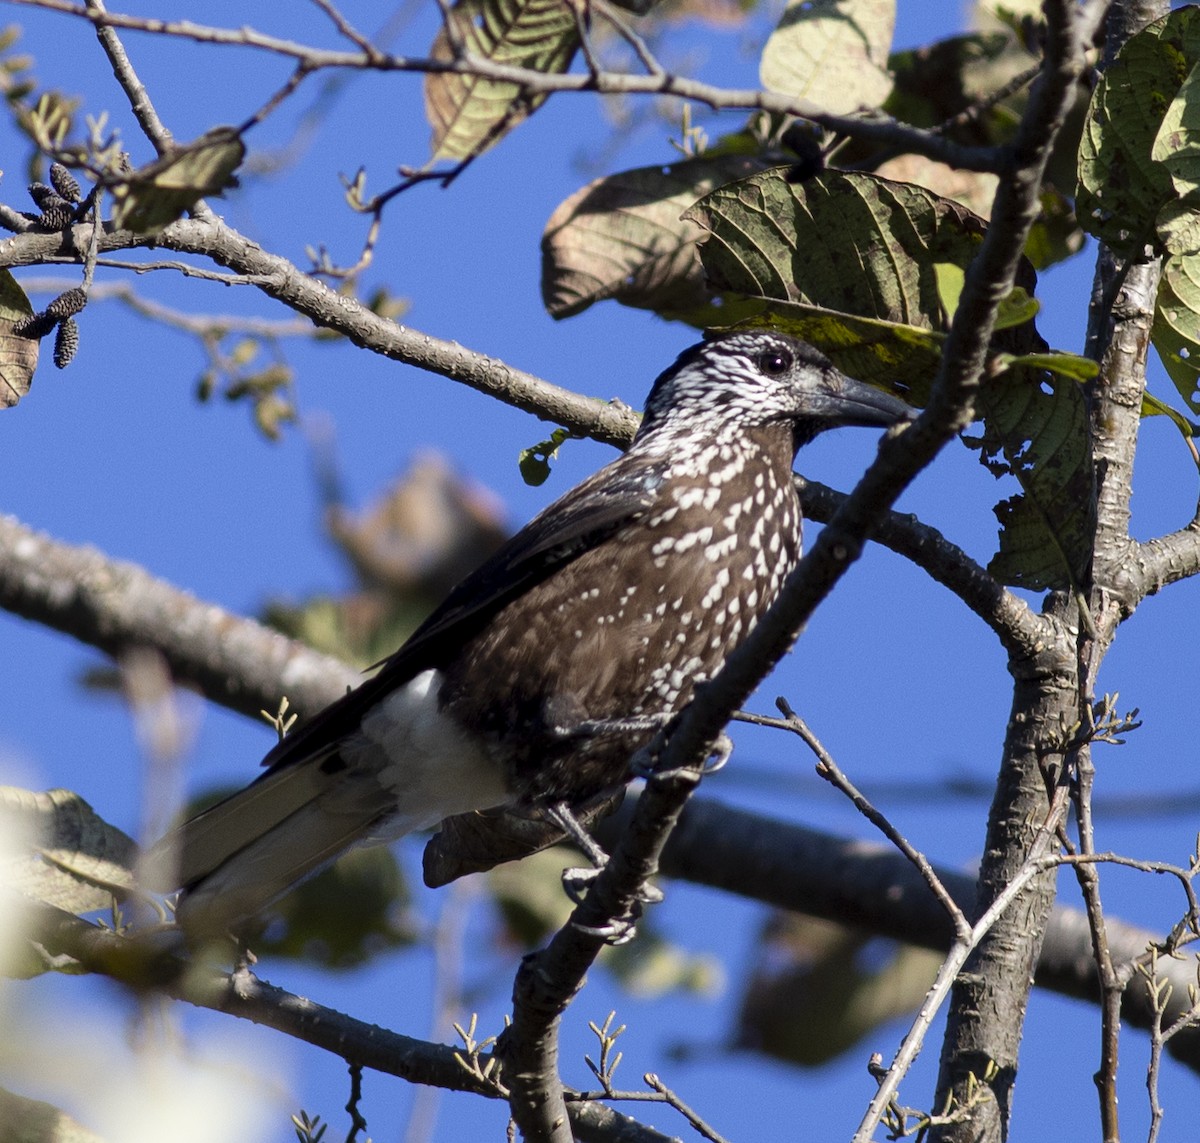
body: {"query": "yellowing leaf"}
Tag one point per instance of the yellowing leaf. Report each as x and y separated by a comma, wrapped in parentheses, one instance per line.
(833, 53)
(950, 280)
(157, 194)
(469, 113)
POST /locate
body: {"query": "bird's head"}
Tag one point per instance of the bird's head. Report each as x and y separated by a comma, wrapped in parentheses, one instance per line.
(752, 378)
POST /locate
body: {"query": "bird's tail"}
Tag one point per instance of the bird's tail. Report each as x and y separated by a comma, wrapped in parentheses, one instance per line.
(238, 857)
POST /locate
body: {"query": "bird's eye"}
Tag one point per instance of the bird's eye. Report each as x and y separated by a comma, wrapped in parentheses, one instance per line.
(775, 362)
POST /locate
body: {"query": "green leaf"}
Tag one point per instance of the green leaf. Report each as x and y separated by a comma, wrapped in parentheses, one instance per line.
(1124, 181)
(854, 248)
(1071, 365)
(623, 237)
(469, 113)
(1035, 429)
(1178, 225)
(160, 192)
(832, 53)
(1153, 407)
(18, 355)
(534, 462)
(1177, 143)
(950, 280)
(1016, 309)
(843, 240)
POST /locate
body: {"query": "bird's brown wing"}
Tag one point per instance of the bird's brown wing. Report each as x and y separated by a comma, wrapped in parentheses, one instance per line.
(577, 522)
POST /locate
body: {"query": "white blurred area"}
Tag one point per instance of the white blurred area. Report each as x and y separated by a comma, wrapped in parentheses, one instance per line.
(117, 1067)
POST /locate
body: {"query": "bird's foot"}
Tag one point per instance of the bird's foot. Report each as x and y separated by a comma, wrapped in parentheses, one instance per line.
(645, 761)
(619, 930)
(577, 881)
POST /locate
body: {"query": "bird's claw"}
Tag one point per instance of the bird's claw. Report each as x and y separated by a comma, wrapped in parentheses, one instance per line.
(575, 882)
(644, 764)
(619, 930)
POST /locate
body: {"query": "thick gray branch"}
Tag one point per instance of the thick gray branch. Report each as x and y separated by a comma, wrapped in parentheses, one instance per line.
(873, 887)
(242, 665)
(114, 605)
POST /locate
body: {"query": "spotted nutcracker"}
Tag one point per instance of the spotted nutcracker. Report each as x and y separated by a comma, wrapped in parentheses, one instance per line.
(542, 673)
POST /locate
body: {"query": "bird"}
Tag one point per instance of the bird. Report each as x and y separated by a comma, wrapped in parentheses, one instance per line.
(541, 675)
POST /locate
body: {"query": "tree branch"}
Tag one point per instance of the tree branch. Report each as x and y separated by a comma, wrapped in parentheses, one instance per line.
(114, 605)
(610, 422)
(141, 962)
(874, 127)
(1157, 563)
(139, 99)
(1020, 629)
(246, 667)
(870, 886)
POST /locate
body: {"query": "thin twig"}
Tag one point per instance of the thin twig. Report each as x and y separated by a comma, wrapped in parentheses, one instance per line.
(139, 99)
(346, 29)
(913, 1041)
(700, 1124)
(641, 49)
(828, 769)
(873, 127)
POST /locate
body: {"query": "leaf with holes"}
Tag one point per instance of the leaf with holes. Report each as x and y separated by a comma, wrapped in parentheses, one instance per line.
(18, 355)
(1122, 186)
(534, 462)
(623, 237)
(1035, 429)
(868, 249)
(470, 113)
(157, 194)
(833, 53)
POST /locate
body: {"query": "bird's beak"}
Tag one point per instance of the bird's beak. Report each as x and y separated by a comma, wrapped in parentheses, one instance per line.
(844, 401)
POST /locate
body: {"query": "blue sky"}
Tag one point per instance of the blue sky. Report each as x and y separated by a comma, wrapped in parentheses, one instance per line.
(902, 685)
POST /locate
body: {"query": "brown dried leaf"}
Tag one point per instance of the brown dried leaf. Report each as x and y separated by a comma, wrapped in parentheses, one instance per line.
(18, 355)
(623, 237)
